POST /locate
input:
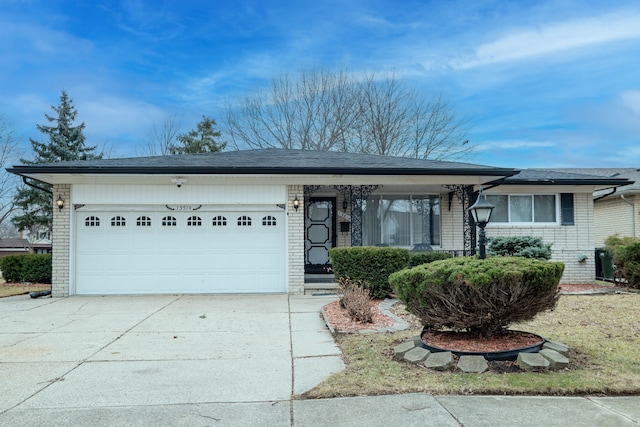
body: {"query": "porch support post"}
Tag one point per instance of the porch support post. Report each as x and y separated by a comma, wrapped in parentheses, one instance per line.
(358, 195)
(469, 224)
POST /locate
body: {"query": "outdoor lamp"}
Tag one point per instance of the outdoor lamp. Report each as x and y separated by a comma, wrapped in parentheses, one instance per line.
(296, 203)
(60, 202)
(481, 212)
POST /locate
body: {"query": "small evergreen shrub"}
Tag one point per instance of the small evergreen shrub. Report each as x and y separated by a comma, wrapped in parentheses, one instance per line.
(419, 258)
(520, 246)
(354, 297)
(370, 264)
(478, 296)
(628, 258)
(33, 268)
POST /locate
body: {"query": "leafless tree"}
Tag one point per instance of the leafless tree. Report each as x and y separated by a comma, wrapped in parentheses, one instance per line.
(335, 110)
(162, 135)
(8, 182)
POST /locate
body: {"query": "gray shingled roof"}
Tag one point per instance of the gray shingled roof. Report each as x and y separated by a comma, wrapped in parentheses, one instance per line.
(267, 161)
(632, 174)
(558, 177)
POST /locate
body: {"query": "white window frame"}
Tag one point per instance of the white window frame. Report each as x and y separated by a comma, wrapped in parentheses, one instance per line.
(533, 223)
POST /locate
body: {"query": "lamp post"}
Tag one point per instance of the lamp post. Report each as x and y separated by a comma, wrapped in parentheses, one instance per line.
(481, 212)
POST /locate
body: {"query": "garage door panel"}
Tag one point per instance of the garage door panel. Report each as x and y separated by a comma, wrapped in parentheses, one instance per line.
(194, 256)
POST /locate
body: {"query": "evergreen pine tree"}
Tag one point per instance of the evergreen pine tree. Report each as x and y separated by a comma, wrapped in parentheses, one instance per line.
(203, 139)
(66, 143)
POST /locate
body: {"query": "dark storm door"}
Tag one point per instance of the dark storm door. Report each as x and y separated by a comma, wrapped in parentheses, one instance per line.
(320, 234)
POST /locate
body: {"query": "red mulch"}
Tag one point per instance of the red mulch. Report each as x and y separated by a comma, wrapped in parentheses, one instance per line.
(584, 287)
(340, 320)
(462, 341)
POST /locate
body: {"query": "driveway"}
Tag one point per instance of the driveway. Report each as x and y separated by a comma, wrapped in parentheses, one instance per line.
(169, 357)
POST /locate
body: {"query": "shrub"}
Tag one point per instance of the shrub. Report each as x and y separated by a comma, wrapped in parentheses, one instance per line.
(419, 258)
(34, 268)
(520, 246)
(354, 298)
(372, 265)
(478, 296)
(628, 258)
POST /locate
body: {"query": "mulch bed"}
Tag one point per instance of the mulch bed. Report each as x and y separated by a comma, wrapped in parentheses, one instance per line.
(465, 342)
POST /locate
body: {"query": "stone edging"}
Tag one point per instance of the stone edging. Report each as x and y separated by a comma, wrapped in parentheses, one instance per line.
(398, 325)
(554, 355)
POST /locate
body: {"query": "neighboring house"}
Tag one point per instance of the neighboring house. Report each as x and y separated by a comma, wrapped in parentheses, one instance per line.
(39, 241)
(616, 210)
(259, 220)
(13, 246)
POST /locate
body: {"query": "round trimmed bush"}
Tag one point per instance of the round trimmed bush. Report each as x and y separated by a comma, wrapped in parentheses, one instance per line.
(478, 296)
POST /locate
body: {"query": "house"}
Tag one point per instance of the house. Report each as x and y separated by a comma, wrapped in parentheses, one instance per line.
(259, 220)
(616, 210)
(13, 246)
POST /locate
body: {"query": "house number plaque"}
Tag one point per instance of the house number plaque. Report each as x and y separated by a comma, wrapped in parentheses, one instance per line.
(184, 208)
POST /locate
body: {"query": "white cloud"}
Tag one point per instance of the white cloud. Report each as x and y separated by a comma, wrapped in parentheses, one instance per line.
(513, 145)
(554, 38)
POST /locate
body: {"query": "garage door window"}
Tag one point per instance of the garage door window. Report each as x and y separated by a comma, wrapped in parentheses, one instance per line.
(269, 221)
(143, 221)
(244, 221)
(118, 221)
(169, 221)
(194, 221)
(92, 221)
(219, 221)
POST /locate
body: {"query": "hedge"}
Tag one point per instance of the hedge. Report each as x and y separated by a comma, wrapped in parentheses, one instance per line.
(28, 268)
(371, 264)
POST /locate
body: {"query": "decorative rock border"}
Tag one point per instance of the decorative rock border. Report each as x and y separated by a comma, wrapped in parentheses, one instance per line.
(554, 355)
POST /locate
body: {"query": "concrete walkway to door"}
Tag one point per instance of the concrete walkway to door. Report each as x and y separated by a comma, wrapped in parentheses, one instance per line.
(103, 360)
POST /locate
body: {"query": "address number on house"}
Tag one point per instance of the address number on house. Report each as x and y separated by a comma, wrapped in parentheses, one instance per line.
(184, 208)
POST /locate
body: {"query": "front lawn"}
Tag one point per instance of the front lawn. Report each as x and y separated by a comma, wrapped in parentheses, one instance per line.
(603, 332)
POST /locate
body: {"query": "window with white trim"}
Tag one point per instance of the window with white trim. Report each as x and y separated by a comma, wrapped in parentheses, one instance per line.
(244, 221)
(219, 221)
(92, 221)
(118, 221)
(524, 208)
(194, 221)
(143, 221)
(169, 221)
(269, 221)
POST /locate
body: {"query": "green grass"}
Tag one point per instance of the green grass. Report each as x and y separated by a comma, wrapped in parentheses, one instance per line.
(603, 332)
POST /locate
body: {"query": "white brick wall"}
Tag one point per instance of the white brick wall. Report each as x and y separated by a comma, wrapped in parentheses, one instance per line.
(60, 242)
(296, 240)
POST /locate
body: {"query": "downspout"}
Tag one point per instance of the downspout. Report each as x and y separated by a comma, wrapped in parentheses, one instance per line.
(633, 214)
(39, 293)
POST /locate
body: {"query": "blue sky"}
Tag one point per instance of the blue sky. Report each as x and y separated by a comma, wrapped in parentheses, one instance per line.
(542, 83)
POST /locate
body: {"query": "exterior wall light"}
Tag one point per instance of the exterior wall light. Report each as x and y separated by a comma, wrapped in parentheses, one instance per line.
(296, 203)
(481, 212)
(60, 202)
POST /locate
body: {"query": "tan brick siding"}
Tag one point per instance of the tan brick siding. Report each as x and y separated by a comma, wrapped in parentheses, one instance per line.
(296, 240)
(60, 238)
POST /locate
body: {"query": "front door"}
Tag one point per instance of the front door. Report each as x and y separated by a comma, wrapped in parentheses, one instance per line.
(320, 234)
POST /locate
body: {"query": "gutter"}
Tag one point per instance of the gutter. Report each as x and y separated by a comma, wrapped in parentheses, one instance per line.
(613, 190)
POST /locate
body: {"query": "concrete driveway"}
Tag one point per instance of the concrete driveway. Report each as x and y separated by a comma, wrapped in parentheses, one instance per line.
(145, 360)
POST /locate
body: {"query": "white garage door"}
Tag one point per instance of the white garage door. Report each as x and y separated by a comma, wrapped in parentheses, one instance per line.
(138, 250)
